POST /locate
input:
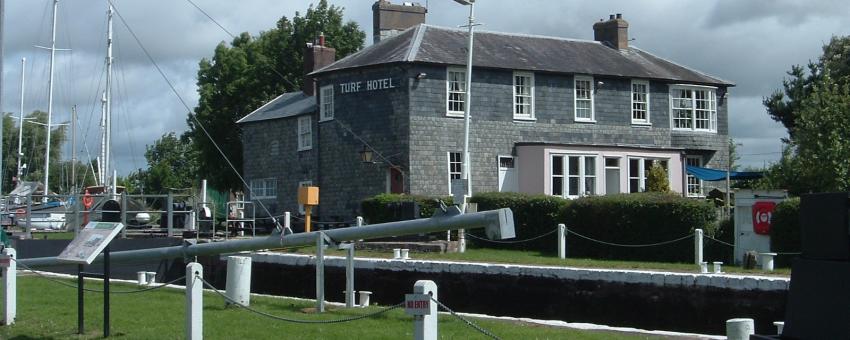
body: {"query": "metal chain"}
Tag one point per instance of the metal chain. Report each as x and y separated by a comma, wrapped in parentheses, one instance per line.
(512, 242)
(69, 285)
(719, 241)
(467, 321)
(631, 245)
(280, 318)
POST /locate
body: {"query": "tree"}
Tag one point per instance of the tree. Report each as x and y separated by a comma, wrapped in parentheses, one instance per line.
(34, 141)
(172, 163)
(251, 71)
(657, 180)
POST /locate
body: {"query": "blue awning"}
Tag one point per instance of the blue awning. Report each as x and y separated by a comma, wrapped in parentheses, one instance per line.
(707, 174)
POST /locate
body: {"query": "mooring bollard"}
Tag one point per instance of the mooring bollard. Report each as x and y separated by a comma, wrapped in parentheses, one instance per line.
(364, 298)
(767, 261)
(562, 241)
(779, 326)
(703, 267)
(238, 284)
(151, 277)
(10, 298)
(194, 301)
(405, 254)
(718, 267)
(421, 305)
(698, 245)
(396, 253)
(142, 278)
(740, 329)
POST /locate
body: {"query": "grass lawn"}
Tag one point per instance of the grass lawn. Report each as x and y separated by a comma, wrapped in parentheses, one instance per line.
(54, 235)
(47, 310)
(538, 258)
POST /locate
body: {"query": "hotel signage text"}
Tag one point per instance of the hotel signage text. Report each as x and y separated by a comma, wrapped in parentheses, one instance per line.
(367, 85)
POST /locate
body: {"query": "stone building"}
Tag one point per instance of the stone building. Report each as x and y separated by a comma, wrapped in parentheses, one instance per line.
(550, 115)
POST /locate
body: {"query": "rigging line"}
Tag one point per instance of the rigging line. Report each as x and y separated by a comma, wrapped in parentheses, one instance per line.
(234, 37)
(122, 93)
(186, 105)
(367, 144)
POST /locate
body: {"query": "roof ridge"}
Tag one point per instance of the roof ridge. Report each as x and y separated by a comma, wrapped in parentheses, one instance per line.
(729, 82)
(524, 35)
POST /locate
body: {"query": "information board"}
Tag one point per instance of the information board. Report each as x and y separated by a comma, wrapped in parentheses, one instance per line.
(90, 242)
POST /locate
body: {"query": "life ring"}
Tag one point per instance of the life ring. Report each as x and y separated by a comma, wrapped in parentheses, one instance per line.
(21, 212)
(88, 201)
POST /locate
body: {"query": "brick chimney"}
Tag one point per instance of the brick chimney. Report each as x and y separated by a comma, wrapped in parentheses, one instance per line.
(614, 32)
(389, 19)
(316, 56)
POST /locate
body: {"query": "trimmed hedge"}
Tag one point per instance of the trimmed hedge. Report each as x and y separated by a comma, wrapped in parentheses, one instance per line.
(375, 210)
(534, 215)
(641, 218)
(785, 232)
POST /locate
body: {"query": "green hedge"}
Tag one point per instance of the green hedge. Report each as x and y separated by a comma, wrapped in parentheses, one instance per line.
(642, 218)
(785, 230)
(533, 215)
(375, 210)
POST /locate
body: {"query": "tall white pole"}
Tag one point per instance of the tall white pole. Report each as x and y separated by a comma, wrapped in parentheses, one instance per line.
(2, 23)
(465, 173)
(101, 169)
(21, 119)
(50, 104)
(107, 158)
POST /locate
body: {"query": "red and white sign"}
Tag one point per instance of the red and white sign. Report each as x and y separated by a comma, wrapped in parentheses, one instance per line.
(762, 214)
(5, 261)
(417, 304)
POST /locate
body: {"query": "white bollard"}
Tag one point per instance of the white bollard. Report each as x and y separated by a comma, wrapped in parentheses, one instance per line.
(698, 233)
(425, 326)
(151, 277)
(718, 267)
(142, 278)
(767, 261)
(405, 254)
(194, 301)
(396, 253)
(238, 285)
(364, 298)
(10, 290)
(779, 326)
(740, 329)
(562, 241)
(703, 267)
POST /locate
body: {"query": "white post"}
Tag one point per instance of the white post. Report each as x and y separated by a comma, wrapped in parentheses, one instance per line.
(698, 246)
(320, 272)
(10, 298)
(425, 326)
(562, 241)
(767, 261)
(359, 223)
(349, 274)
(287, 221)
(194, 301)
(238, 285)
(779, 326)
(740, 329)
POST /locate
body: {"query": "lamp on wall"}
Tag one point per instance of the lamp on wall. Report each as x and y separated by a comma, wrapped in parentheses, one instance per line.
(721, 95)
(599, 84)
(421, 75)
(366, 155)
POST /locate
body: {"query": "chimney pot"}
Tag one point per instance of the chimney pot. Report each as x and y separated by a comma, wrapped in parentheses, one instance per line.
(611, 17)
(322, 39)
(389, 19)
(619, 15)
(613, 32)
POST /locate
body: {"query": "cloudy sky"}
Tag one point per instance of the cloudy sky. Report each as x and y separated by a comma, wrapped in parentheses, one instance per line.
(751, 43)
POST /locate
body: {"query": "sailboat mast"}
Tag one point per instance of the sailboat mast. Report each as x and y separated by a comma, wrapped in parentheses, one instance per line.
(2, 23)
(50, 103)
(108, 129)
(74, 149)
(21, 119)
(101, 169)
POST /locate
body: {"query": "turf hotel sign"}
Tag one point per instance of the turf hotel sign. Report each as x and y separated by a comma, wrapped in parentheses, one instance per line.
(368, 85)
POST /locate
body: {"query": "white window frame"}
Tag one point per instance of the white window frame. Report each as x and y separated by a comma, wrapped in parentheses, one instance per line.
(582, 175)
(530, 96)
(264, 188)
(301, 209)
(326, 108)
(692, 181)
(305, 129)
(462, 92)
(449, 171)
(710, 107)
(642, 171)
(646, 120)
(606, 167)
(590, 91)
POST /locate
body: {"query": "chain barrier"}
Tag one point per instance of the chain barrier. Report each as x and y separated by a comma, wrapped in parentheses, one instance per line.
(719, 241)
(69, 285)
(631, 245)
(465, 320)
(280, 318)
(512, 242)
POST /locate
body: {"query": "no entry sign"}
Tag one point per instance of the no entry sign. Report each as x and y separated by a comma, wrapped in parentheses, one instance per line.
(417, 304)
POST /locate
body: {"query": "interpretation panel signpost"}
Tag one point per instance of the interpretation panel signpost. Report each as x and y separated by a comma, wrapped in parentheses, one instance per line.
(83, 249)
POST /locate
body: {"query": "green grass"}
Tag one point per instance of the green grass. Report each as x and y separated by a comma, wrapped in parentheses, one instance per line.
(47, 310)
(541, 259)
(56, 235)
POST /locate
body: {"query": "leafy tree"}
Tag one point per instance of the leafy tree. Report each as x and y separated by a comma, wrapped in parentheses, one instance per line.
(172, 163)
(657, 180)
(34, 141)
(251, 71)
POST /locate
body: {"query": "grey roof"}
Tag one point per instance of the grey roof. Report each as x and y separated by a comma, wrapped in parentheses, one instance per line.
(286, 105)
(439, 45)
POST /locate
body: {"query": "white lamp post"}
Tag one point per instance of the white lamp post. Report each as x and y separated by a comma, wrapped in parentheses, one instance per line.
(465, 171)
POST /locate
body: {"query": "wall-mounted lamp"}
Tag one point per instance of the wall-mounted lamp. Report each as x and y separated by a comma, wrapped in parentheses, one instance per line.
(721, 95)
(421, 75)
(366, 155)
(599, 85)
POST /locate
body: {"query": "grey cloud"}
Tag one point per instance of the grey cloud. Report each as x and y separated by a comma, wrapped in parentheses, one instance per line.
(786, 12)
